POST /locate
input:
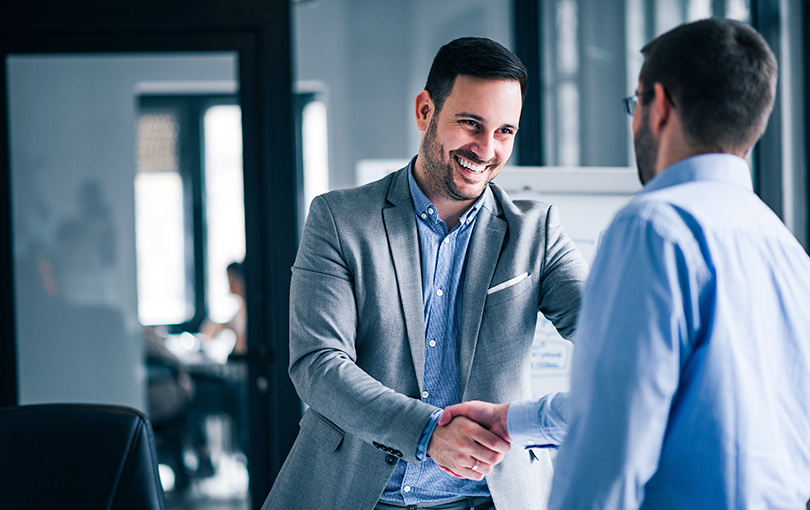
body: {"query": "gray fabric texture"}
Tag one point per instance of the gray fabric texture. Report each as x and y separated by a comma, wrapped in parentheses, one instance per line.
(357, 346)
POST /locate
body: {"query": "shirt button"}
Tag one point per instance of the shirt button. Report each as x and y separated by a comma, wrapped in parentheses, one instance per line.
(390, 460)
(423, 215)
(430, 210)
(407, 488)
(440, 292)
(425, 394)
(446, 240)
(432, 343)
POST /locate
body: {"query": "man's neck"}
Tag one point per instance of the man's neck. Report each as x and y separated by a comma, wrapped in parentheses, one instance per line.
(674, 146)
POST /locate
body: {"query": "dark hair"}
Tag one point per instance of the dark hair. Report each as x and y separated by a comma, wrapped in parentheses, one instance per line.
(721, 75)
(236, 268)
(477, 57)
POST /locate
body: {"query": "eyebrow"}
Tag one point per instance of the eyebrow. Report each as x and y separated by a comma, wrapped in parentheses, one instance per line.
(481, 119)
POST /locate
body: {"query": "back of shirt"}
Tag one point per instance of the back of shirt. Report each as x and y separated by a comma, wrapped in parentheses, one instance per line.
(739, 433)
(691, 381)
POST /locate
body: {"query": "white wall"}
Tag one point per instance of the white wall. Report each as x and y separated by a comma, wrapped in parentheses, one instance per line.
(72, 119)
(372, 59)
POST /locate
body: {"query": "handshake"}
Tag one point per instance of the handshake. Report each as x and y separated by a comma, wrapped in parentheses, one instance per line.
(470, 439)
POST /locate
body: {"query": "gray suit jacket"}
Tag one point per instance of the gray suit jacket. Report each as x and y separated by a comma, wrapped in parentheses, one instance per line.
(357, 338)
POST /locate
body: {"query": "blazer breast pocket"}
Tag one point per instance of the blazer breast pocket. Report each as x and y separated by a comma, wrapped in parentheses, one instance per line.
(508, 289)
(323, 432)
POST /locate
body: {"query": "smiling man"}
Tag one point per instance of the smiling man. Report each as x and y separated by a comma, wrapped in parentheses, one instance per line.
(419, 291)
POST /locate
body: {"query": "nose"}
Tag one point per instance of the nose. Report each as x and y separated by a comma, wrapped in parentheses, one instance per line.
(485, 145)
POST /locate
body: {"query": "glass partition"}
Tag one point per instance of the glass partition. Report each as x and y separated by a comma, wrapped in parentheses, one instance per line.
(109, 214)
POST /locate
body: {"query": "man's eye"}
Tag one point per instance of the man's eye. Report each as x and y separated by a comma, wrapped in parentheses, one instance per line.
(507, 131)
(470, 122)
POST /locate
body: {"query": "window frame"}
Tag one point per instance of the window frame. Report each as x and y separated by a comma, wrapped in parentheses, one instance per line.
(190, 109)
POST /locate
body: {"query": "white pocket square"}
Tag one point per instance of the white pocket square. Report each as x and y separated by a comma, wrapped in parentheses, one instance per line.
(508, 283)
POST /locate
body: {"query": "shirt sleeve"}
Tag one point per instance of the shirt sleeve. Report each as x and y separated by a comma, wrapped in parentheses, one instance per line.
(424, 441)
(538, 423)
(634, 329)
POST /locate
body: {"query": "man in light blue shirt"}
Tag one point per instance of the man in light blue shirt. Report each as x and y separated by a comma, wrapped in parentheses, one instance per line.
(691, 381)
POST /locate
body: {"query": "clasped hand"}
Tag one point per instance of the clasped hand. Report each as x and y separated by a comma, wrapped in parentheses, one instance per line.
(470, 439)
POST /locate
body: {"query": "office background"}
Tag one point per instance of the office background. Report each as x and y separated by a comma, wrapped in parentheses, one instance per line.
(322, 89)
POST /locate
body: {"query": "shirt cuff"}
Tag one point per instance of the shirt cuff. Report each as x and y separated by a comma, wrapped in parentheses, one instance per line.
(538, 423)
(424, 441)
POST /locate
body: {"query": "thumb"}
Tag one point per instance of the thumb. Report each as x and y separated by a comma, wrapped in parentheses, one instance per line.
(446, 417)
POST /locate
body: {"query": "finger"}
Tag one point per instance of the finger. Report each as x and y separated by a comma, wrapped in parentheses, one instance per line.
(457, 445)
(478, 443)
(449, 471)
(483, 467)
(491, 441)
(477, 471)
(452, 411)
(446, 417)
(467, 472)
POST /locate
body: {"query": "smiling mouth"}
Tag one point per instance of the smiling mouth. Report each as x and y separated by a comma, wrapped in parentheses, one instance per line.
(469, 165)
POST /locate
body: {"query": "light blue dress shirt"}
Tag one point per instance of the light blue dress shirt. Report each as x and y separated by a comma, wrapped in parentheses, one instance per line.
(540, 423)
(690, 385)
(443, 255)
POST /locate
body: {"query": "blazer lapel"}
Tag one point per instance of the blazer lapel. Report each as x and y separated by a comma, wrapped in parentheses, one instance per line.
(482, 258)
(403, 240)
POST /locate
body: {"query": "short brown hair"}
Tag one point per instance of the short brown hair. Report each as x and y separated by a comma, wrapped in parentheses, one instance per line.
(477, 57)
(721, 75)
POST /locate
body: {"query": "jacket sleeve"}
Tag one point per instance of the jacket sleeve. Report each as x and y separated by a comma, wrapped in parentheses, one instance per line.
(323, 355)
(563, 277)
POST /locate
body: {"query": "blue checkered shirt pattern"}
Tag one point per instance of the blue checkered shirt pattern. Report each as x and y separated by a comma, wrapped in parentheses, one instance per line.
(443, 256)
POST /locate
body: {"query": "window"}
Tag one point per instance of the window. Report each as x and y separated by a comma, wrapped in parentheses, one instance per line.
(224, 204)
(313, 157)
(159, 220)
(591, 59)
(189, 203)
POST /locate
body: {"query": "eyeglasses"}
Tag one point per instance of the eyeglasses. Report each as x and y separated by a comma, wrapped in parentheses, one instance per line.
(631, 102)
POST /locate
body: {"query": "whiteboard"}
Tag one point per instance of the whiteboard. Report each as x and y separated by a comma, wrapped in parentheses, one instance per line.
(587, 198)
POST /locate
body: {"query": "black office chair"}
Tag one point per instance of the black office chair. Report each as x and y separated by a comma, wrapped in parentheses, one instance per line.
(77, 456)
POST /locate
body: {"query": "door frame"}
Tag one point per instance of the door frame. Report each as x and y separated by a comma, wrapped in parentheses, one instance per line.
(259, 32)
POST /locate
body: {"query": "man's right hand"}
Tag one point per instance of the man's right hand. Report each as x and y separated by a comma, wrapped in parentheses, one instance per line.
(456, 446)
(490, 416)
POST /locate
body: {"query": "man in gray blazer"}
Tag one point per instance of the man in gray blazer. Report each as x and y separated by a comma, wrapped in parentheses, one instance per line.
(419, 291)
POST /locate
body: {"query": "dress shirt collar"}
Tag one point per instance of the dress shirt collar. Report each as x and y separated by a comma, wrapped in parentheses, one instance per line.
(426, 210)
(704, 167)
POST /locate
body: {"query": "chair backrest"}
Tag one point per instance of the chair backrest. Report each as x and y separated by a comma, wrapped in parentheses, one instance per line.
(77, 456)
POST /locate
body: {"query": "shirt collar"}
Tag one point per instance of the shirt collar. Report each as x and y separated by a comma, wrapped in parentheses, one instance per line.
(704, 167)
(422, 205)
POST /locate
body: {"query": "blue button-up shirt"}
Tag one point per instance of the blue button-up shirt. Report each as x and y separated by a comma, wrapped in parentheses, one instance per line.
(443, 255)
(691, 380)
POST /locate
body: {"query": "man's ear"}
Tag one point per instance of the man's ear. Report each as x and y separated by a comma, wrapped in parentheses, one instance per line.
(660, 110)
(424, 110)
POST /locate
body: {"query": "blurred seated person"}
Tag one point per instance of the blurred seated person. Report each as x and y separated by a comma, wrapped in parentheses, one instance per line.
(238, 323)
(224, 392)
(171, 390)
(170, 395)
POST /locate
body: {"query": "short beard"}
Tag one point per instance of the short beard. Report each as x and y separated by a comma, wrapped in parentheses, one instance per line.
(646, 149)
(440, 173)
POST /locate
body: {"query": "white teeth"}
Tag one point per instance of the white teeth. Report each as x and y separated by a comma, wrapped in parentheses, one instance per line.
(466, 164)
